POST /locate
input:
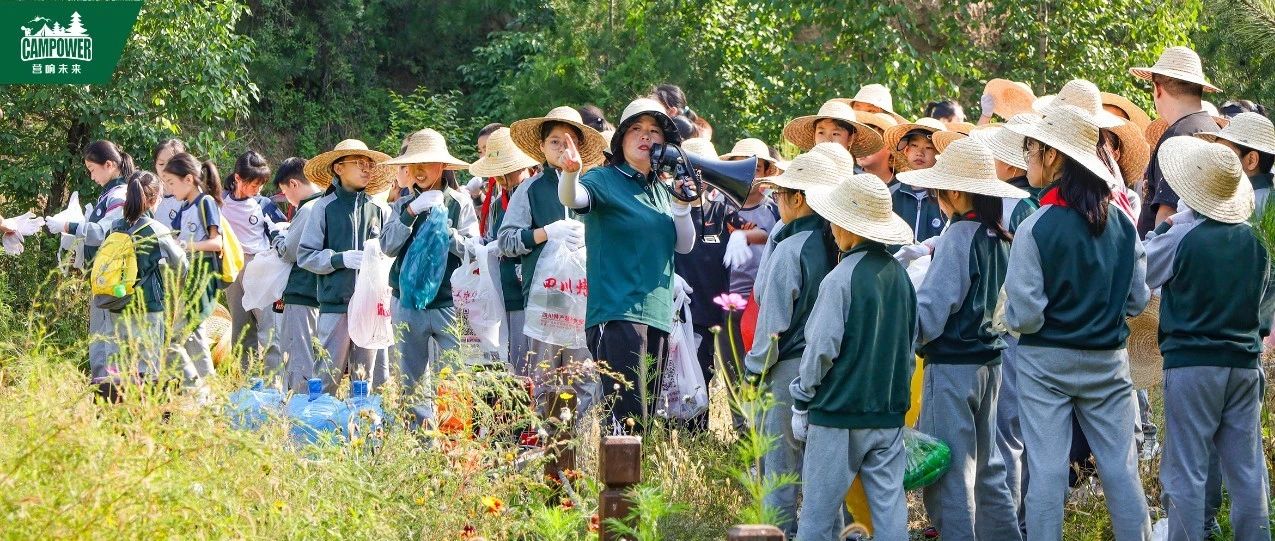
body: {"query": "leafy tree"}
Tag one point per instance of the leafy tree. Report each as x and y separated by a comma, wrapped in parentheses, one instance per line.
(1237, 40)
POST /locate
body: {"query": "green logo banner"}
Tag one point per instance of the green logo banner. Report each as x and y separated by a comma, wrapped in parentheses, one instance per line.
(63, 42)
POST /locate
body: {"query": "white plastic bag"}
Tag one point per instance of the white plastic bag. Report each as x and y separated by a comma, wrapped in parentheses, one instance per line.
(370, 305)
(559, 297)
(917, 270)
(481, 334)
(264, 279)
(683, 393)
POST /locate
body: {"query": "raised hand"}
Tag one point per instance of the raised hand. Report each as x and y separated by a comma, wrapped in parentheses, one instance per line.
(571, 157)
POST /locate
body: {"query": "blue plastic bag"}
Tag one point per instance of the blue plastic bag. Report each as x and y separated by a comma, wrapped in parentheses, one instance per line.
(425, 262)
(363, 419)
(252, 407)
(314, 416)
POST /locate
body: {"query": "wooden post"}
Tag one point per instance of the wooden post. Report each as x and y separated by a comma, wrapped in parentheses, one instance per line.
(754, 532)
(619, 467)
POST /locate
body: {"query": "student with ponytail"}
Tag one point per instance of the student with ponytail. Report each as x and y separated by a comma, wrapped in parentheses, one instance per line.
(253, 218)
(143, 324)
(1076, 271)
(108, 166)
(198, 186)
(169, 206)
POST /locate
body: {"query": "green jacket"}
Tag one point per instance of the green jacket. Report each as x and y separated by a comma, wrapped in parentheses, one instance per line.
(303, 285)
(341, 220)
(1016, 210)
(787, 285)
(156, 249)
(462, 224)
(918, 209)
(955, 307)
(856, 370)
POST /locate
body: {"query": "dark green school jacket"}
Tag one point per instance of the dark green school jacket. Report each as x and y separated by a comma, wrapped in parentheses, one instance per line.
(156, 249)
(1016, 210)
(955, 305)
(918, 209)
(1068, 289)
(403, 226)
(302, 288)
(1213, 280)
(856, 370)
(787, 285)
(341, 220)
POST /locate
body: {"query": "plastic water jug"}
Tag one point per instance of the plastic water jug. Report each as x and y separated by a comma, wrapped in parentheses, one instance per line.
(314, 415)
(251, 407)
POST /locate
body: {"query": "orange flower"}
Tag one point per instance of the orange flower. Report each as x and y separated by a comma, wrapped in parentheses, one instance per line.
(468, 532)
(594, 523)
(568, 503)
(493, 504)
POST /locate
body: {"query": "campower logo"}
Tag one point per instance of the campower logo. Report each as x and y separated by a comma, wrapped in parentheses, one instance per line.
(71, 42)
(62, 41)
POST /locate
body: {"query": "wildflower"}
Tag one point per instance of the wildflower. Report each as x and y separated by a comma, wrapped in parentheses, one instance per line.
(594, 523)
(568, 504)
(565, 395)
(731, 302)
(278, 505)
(420, 500)
(493, 504)
(468, 532)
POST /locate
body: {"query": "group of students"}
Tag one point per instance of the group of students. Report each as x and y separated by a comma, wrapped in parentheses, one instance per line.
(1043, 234)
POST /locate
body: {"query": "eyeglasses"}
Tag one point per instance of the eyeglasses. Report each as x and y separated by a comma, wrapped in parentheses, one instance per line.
(362, 163)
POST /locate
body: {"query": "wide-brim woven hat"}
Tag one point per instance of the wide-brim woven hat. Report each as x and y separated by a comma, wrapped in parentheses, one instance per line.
(749, 148)
(880, 121)
(503, 156)
(427, 146)
(1207, 177)
(1131, 110)
(699, 146)
(1083, 95)
(1071, 131)
(861, 205)
(942, 139)
(967, 166)
(319, 168)
(876, 95)
(1007, 145)
(1146, 364)
(800, 131)
(838, 154)
(1010, 97)
(810, 171)
(894, 134)
(1155, 130)
(526, 134)
(1249, 130)
(1179, 63)
(1135, 153)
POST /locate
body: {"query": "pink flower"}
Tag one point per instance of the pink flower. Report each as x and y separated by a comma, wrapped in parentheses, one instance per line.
(731, 302)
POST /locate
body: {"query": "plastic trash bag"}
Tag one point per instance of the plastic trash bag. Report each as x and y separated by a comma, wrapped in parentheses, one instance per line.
(927, 459)
(559, 297)
(313, 416)
(370, 306)
(917, 270)
(264, 279)
(425, 262)
(471, 296)
(252, 407)
(683, 393)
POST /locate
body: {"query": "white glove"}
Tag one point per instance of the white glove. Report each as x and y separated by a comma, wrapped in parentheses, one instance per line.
(737, 250)
(566, 230)
(681, 292)
(986, 105)
(54, 225)
(475, 186)
(88, 210)
(26, 225)
(12, 243)
(912, 252)
(425, 201)
(352, 259)
(800, 424)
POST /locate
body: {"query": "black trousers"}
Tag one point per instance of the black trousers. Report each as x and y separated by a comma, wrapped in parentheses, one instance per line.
(621, 348)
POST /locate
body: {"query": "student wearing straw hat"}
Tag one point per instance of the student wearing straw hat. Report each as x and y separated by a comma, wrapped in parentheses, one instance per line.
(801, 255)
(536, 215)
(962, 353)
(835, 122)
(1211, 345)
(913, 148)
(879, 163)
(426, 250)
(331, 246)
(1252, 137)
(509, 167)
(1011, 168)
(631, 285)
(874, 98)
(1071, 356)
(852, 386)
(1177, 87)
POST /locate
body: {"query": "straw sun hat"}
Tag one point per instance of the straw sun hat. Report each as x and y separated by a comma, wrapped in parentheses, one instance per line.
(699, 146)
(1179, 63)
(861, 205)
(967, 166)
(427, 146)
(526, 134)
(1136, 114)
(1010, 97)
(1155, 130)
(748, 148)
(1005, 144)
(1208, 178)
(1146, 364)
(800, 131)
(1249, 130)
(894, 134)
(944, 138)
(1072, 132)
(1135, 153)
(319, 168)
(503, 156)
(878, 96)
(1084, 95)
(811, 171)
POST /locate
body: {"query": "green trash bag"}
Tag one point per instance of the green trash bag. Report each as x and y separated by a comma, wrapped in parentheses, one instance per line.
(927, 459)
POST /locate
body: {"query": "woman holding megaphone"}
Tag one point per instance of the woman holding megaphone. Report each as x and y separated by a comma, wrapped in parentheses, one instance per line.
(632, 227)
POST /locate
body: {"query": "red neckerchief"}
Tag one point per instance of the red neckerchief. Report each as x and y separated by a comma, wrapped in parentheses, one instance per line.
(1052, 197)
(491, 188)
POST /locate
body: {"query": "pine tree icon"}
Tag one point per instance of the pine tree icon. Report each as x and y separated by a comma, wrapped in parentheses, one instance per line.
(75, 29)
